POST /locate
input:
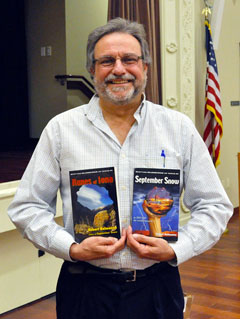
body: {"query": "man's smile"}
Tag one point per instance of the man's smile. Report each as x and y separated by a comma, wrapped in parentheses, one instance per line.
(124, 79)
(119, 81)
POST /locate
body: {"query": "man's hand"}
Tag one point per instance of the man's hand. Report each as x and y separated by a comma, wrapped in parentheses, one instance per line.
(149, 247)
(97, 247)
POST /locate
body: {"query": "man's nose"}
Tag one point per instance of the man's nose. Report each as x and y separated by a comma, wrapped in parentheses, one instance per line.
(118, 67)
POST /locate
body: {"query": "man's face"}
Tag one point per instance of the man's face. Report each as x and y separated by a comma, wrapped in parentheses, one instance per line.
(119, 83)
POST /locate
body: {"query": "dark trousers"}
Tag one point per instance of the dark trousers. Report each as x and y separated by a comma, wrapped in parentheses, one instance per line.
(155, 296)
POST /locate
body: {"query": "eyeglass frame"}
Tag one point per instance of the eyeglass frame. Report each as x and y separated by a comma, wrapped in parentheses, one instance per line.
(120, 58)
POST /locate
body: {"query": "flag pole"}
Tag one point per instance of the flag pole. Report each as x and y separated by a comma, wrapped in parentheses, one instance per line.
(206, 11)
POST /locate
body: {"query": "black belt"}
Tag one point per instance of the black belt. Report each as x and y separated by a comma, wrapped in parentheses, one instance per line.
(124, 274)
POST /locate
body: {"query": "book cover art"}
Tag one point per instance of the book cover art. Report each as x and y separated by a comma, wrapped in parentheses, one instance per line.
(155, 210)
(94, 203)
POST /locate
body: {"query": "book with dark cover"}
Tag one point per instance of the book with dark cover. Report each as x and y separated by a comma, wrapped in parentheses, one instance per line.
(94, 203)
(155, 210)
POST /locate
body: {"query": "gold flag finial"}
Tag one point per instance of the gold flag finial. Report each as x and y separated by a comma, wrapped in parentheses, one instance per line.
(206, 11)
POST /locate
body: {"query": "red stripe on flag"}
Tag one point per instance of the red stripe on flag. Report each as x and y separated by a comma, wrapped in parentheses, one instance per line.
(213, 111)
(212, 77)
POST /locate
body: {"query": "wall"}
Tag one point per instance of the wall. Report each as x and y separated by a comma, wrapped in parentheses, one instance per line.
(227, 56)
(178, 62)
(81, 18)
(64, 25)
(229, 73)
(177, 55)
(24, 276)
(45, 26)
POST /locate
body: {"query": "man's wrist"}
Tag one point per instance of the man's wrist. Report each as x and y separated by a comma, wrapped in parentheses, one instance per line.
(173, 261)
(73, 251)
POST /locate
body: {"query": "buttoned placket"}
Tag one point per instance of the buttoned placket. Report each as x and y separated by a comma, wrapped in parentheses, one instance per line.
(124, 200)
(123, 153)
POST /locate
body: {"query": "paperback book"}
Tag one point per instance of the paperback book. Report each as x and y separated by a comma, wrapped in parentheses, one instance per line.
(155, 210)
(94, 203)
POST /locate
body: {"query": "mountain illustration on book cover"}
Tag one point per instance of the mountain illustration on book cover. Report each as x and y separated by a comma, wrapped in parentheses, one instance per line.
(155, 210)
(94, 203)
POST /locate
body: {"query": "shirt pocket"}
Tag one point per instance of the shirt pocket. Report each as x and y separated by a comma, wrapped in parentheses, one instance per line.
(171, 162)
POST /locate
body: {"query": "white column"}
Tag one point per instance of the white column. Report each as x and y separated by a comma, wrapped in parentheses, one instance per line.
(178, 61)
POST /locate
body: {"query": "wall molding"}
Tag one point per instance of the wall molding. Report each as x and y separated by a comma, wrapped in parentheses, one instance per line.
(178, 55)
(178, 61)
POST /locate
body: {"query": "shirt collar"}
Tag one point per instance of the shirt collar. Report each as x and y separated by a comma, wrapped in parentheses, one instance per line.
(141, 111)
(93, 110)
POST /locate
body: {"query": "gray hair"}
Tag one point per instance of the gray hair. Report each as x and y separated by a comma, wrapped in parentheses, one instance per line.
(117, 25)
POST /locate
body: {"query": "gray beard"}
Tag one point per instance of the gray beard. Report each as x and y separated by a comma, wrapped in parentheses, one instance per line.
(103, 90)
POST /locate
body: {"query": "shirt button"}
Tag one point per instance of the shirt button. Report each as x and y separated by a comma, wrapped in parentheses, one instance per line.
(123, 155)
(123, 187)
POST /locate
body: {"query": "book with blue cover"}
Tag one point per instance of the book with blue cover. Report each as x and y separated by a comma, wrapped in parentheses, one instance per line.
(156, 197)
(94, 203)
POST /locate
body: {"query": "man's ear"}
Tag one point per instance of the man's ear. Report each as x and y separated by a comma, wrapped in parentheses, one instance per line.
(145, 67)
(92, 71)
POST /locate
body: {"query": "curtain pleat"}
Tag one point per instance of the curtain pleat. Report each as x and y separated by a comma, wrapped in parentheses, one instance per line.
(147, 13)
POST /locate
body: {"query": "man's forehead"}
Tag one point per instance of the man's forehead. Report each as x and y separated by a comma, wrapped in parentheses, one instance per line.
(117, 40)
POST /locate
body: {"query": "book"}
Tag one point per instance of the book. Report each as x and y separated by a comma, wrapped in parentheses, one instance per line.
(156, 198)
(94, 203)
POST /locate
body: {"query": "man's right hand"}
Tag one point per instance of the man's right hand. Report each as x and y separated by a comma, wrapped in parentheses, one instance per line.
(97, 247)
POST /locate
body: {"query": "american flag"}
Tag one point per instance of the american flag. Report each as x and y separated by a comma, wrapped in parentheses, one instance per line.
(213, 127)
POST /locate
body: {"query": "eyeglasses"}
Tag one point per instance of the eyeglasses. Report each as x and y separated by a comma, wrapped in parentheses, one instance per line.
(126, 60)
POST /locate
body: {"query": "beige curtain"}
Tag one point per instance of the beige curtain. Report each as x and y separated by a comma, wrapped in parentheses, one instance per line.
(145, 12)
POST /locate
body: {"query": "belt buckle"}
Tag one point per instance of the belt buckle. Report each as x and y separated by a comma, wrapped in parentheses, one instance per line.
(134, 274)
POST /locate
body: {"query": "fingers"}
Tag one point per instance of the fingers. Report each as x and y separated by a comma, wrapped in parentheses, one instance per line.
(120, 244)
(145, 239)
(145, 208)
(102, 241)
(97, 247)
(149, 247)
(104, 247)
(131, 241)
(144, 204)
(109, 247)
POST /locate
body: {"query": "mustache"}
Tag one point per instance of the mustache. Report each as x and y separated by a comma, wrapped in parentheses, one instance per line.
(127, 77)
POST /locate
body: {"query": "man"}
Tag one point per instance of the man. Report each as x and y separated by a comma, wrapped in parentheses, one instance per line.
(135, 276)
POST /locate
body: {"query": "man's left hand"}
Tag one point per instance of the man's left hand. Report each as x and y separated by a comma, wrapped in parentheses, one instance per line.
(150, 247)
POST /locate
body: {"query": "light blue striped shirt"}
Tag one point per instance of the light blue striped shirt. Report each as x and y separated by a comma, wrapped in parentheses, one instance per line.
(81, 139)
